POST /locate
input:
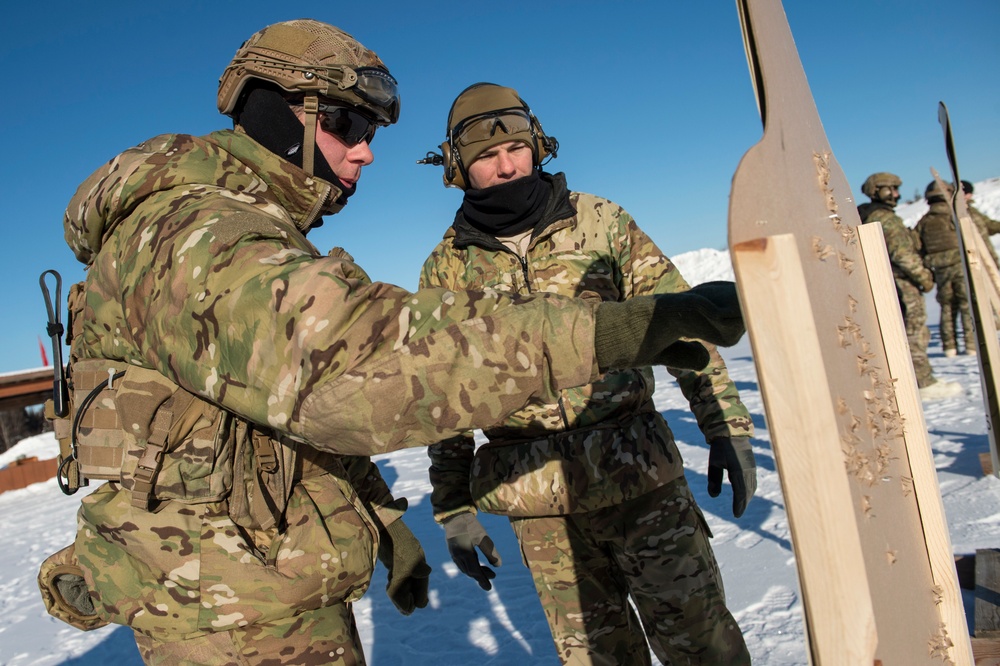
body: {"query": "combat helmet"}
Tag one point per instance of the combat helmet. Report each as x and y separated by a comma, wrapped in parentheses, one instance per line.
(934, 191)
(315, 60)
(482, 116)
(878, 180)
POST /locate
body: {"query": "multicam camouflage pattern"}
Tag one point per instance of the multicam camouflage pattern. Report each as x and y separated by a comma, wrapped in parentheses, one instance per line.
(313, 638)
(939, 242)
(953, 298)
(912, 280)
(902, 244)
(660, 557)
(918, 336)
(562, 451)
(198, 268)
(188, 569)
(597, 471)
(938, 238)
(210, 230)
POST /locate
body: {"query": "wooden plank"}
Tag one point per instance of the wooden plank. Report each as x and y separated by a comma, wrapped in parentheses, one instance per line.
(979, 287)
(992, 283)
(789, 184)
(986, 651)
(803, 428)
(923, 472)
(986, 460)
(987, 604)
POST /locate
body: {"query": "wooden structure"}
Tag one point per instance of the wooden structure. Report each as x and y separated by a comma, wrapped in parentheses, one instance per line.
(24, 389)
(876, 569)
(983, 288)
(24, 472)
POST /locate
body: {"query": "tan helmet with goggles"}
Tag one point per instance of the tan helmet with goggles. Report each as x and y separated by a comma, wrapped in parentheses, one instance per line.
(321, 63)
(878, 180)
(485, 115)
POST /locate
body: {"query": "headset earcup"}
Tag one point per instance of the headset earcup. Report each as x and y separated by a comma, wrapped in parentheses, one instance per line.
(452, 174)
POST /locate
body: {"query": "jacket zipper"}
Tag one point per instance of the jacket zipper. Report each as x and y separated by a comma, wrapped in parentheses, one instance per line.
(527, 286)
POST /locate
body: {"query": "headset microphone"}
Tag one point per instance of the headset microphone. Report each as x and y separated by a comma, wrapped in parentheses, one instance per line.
(432, 158)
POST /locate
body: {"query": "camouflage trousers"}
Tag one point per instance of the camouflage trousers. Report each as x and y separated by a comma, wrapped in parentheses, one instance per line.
(954, 300)
(324, 636)
(911, 302)
(611, 579)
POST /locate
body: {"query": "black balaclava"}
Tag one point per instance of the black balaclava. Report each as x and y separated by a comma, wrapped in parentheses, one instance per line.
(507, 209)
(268, 120)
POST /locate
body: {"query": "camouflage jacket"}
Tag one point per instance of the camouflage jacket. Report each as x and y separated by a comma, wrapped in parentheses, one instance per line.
(939, 241)
(198, 269)
(901, 243)
(598, 444)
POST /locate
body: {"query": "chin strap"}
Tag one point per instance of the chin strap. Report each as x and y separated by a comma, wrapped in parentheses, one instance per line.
(311, 106)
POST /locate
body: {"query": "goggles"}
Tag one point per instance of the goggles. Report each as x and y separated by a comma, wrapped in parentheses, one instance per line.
(484, 126)
(351, 126)
(377, 87)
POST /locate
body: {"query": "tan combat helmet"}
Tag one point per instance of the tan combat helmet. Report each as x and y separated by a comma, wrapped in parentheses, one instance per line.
(317, 60)
(878, 180)
(933, 191)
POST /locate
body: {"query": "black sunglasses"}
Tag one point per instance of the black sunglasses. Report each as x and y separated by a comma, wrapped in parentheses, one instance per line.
(351, 126)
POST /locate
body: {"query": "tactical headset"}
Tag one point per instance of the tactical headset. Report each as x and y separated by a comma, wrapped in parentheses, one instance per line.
(455, 172)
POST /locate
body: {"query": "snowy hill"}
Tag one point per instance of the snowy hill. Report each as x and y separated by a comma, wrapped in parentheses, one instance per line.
(464, 625)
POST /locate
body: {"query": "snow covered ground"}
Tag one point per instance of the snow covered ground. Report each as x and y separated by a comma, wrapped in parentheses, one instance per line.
(462, 624)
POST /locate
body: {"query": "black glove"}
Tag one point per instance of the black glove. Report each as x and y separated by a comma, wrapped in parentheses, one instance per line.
(735, 455)
(409, 572)
(464, 534)
(645, 330)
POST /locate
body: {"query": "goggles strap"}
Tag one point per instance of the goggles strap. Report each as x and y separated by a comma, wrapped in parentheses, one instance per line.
(311, 106)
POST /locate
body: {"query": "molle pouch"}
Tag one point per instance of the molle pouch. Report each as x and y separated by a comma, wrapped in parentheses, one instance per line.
(96, 433)
(177, 446)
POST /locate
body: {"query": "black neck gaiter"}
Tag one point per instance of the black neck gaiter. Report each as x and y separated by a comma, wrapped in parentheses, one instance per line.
(508, 209)
(268, 120)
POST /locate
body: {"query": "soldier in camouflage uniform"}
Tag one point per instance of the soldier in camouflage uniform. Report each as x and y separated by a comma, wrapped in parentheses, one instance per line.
(230, 382)
(939, 247)
(987, 225)
(912, 278)
(592, 482)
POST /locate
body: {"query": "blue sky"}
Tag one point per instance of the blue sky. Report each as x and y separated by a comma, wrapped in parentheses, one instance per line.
(651, 102)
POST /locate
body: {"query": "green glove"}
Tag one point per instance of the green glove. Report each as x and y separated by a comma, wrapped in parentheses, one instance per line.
(735, 456)
(645, 330)
(409, 572)
(464, 534)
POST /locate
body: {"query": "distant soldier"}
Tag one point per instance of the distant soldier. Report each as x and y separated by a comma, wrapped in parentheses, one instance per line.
(987, 225)
(943, 256)
(592, 482)
(912, 278)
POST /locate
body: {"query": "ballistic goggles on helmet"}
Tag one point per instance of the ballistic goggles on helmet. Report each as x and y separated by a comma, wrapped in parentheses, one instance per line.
(374, 87)
(484, 126)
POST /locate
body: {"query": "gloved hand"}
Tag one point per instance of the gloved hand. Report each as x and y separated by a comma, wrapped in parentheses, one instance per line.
(64, 591)
(645, 330)
(926, 281)
(464, 534)
(734, 455)
(409, 572)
